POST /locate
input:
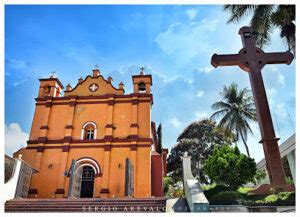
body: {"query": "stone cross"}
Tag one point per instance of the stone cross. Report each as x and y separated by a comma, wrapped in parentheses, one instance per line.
(252, 59)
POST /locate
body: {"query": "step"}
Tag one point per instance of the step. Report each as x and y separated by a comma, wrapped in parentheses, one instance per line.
(86, 205)
(99, 209)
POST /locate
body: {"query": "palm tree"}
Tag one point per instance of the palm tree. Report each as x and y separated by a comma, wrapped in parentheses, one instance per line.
(264, 18)
(236, 109)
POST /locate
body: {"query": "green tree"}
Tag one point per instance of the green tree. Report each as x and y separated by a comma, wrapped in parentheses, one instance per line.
(236, 109)
(264, 18)
(159, 139)
(198, 139)
(228, 166)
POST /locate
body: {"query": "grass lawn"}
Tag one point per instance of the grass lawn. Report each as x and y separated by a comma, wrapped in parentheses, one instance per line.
(244, 190)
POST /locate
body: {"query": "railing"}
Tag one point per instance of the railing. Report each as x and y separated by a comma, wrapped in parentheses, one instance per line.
(24, 181)
(10, 166)
(17, 178)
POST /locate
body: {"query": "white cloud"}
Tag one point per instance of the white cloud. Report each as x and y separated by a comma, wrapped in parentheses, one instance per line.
(175, 122)
(280, 111)
(273, 68)
(206, 69)
(200, 93)
(17, 63)
(187, 40)
(129, 69)
(201, 115)
(271, 91)
(192, 13)
(281, 79)
(255, 148)
(19, 82)
(15, 138)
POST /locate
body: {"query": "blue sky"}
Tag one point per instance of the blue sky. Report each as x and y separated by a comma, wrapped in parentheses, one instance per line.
(174, 43)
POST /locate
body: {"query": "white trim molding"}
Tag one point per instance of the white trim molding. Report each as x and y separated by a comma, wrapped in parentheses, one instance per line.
(89, 162)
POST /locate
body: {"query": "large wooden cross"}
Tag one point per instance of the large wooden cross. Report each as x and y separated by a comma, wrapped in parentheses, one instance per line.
(252, 59)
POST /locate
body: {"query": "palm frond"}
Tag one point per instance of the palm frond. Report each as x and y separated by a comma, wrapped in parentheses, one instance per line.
(238, 12)
(221, 105)
(218, 113)
(262, 24)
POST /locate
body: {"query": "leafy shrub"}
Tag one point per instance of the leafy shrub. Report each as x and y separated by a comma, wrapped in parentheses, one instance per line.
(210, 192)
(226, 198)
(289, 181)
(172, 188)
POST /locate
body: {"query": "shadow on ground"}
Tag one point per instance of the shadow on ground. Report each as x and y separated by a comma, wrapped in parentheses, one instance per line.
(181, 205)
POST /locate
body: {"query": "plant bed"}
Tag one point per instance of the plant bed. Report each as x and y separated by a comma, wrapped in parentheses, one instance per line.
(220, 195)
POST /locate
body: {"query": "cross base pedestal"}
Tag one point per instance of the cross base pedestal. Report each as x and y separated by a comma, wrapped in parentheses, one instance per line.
(269, 189)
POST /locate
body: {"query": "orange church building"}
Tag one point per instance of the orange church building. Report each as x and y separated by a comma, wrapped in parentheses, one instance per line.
(94, 140)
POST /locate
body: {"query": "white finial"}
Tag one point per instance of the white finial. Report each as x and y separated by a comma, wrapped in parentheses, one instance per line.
(96, 66)
(53, 74)
(142, 70)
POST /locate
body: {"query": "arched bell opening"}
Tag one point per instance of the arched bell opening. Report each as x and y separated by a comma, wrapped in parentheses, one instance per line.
(142, 87)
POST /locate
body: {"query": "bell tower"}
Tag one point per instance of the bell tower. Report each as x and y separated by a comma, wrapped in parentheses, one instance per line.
(142, 83)
(50, 87)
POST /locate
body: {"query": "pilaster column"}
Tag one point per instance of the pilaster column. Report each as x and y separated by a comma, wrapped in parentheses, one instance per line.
(70, 118)
(37, 163)
(109, 119)
(133, 161)
(134, 120)
(41, 142)
(60, 191)
(104, 192)
(44, 128)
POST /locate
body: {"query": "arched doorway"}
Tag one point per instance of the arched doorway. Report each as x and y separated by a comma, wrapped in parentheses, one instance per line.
(87, 182)
(82, 175)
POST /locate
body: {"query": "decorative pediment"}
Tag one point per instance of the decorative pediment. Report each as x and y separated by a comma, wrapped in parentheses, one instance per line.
(94, 86)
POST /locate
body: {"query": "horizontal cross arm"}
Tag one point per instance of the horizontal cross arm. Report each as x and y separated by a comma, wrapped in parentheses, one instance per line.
(278, 57)
(225, 60)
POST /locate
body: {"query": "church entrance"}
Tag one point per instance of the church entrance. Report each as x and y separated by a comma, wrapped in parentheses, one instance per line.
(87, 182)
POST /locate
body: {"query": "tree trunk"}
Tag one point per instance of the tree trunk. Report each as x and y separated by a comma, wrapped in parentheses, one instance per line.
(246, 146)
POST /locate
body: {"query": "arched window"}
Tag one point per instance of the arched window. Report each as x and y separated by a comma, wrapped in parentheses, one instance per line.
(142, 87)
(89, 131)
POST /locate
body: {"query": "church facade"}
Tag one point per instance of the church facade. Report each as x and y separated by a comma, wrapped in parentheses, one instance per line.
(94, 140)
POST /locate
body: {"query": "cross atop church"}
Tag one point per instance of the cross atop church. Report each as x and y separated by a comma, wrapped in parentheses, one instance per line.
(252, 59)
(53, 73)
(142, 70)
(96, 66)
